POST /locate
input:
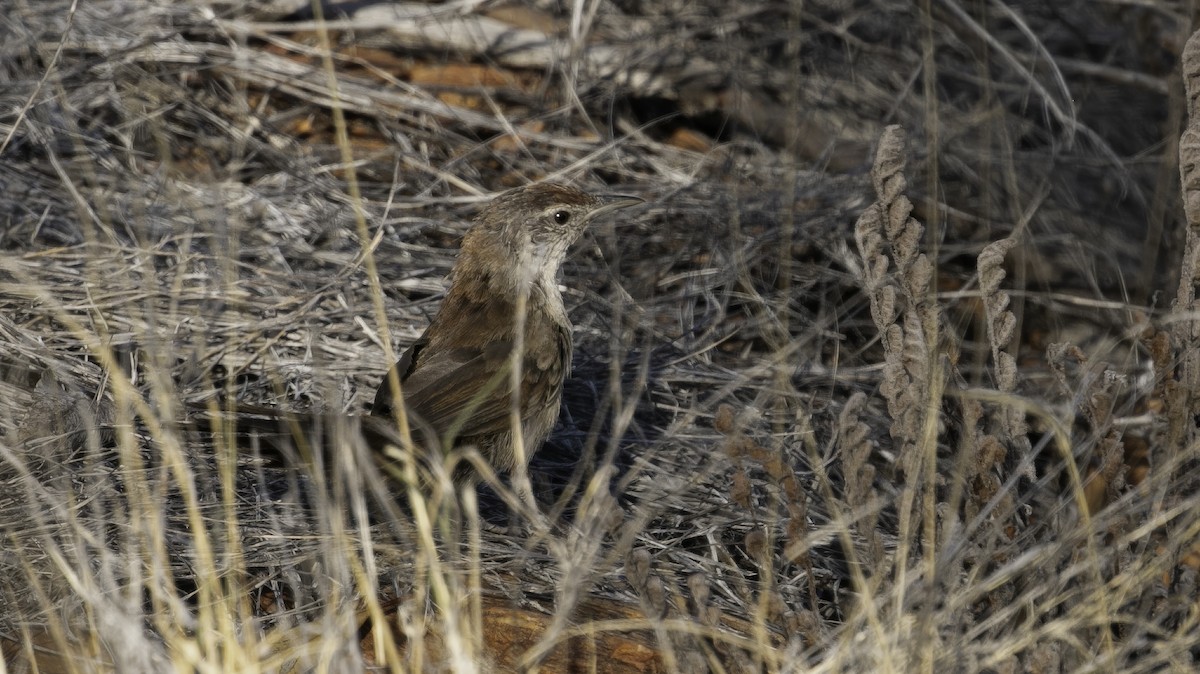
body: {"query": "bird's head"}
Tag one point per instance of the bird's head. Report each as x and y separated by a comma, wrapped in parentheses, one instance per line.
(529, 229)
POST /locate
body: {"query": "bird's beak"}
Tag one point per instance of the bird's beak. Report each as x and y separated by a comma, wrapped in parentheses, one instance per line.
(614, 202)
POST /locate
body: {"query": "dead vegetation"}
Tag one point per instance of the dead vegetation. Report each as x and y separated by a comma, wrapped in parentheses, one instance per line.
(882, 377)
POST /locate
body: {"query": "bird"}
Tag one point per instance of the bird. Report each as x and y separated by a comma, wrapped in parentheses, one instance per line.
(503, 308)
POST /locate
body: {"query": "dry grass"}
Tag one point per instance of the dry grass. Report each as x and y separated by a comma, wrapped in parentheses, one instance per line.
(879, 379)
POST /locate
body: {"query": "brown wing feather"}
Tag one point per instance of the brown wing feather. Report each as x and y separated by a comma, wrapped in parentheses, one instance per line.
(382, 406)
(455, 390)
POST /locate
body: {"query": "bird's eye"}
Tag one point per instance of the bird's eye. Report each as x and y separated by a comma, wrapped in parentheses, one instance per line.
(562, 217)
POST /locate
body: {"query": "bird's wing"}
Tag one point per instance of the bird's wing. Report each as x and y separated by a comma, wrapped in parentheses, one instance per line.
(382, 406)
(455, 390)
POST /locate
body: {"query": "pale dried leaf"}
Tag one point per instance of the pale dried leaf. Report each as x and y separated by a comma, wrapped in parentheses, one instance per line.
(1002, 328)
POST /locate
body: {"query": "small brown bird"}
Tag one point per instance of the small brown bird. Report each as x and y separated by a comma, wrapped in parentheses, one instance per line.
(456, 380)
